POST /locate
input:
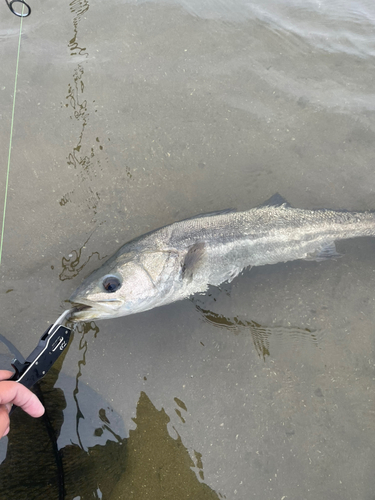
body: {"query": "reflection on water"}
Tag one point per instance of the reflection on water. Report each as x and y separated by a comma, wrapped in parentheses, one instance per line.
(147, 464)
(158, 466)
(182, 405)
(78, 8)
(81, 157)
(36, 469)
(261, 335)
(20, 473)
(81, 114)
(72, 266)
(82, 154)
(82, 329)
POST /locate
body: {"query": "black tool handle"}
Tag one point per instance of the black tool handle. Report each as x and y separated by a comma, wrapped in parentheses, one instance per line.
(51, 345)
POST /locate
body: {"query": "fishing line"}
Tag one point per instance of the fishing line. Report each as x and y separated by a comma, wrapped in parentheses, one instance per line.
(11, 137)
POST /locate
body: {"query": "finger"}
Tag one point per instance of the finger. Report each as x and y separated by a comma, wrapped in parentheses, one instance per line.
(5, 374)
(17, 394)
(4, 421)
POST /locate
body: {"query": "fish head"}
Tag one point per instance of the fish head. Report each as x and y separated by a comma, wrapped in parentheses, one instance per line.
(122, 286)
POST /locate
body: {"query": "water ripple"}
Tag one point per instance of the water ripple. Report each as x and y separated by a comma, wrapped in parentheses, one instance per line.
(336, 26)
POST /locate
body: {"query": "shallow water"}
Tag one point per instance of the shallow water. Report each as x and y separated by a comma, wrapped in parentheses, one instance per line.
(129, 116)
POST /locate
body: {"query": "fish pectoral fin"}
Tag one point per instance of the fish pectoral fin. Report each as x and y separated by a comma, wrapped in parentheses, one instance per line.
(192, 260)
(276, 201)
(324, 252)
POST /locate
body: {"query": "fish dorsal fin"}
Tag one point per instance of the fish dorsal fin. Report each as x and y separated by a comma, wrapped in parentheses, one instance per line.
(275, 201)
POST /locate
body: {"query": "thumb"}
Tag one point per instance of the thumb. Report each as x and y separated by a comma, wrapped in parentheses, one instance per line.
(17, 394)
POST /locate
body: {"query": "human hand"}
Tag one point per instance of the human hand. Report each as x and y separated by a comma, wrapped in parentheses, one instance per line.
(14, 393)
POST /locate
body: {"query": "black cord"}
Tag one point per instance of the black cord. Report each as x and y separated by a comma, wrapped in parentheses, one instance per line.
(52, 437)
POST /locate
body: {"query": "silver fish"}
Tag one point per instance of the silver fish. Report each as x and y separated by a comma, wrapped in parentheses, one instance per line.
(184, 258)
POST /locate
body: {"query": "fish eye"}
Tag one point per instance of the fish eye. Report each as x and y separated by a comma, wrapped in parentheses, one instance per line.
(111, 284)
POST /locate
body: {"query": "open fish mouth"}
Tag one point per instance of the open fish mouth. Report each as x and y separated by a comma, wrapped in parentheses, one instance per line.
(81, 312)
(86, 310)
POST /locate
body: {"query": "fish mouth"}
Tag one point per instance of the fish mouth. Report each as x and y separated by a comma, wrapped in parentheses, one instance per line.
(87, 310)
(79, 311)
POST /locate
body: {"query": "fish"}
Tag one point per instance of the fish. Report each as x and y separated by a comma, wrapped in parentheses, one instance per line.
(186, 257)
